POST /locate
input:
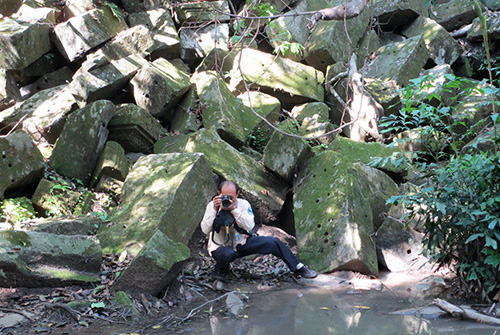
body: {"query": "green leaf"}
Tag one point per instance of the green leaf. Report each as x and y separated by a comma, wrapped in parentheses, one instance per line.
(441, 207)
(474, 237)
(491, 243)
(98, 305)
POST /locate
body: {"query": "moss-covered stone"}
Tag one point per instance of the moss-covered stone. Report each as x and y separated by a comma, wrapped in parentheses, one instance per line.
(291, 82)
(55, 198)
(35, 259)
(84, 135)
(81, 33)
(332, 41)
(22, 43)
(221, 109)
(21, 162)
(268, 107)
(265, 193)
(399, 62)
(157, 259)
(360, 152)
(333, 216)
(453, 14)
(157, 194)
(112, 163)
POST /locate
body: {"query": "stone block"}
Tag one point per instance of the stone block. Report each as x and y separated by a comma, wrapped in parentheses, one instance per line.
(283, 154)
(337, 70)
(9, 92)
(21, 162)
(399, 62)
(263, 105)
(394, 14)
(55, 198)
(7, 8)
(158, 191)
(386, 93)
(112, 163)
(160, 258)
(185, 118)
(319, 132)
(221, 109)
(34, 259)
(333, 216)
(218, 60)
(318, 110)
(132, 41)
(158, 86)
(22, 43)
(82, 139)
(59, 77)
(475, 33)
(453, 14)
(202, 11)
(166, 39)
(265, 193)
(107, 81)
(493, 5)
(291, 82)
(443, 48)
(196, 43)
(75, 37)
(111, 186)
(32, 14)
(134, 128)
(484, 142)
(70, 225)
(329, 42)
(134, 6)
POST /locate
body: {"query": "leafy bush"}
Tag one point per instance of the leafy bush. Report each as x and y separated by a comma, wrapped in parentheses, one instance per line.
(460, 209)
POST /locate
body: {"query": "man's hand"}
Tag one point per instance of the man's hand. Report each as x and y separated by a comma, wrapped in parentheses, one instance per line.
(217, 202)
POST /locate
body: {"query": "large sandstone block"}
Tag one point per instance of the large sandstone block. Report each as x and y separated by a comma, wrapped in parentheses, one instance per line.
(59, 77)
(53, 198)
(263, 105)
(7, 8)
(329, 42)
(107, 81)
(9, 92)
(35, 259)
(291, 82)
(21, 162)
(196, 43)
(202, 11)
(393, 14)
(134, 6)
(333, 216)
(132, 41)
(283, 154)
(82, 139)
(165, 192)
(266, 194)
(443, 48)
(475, 33)
(453, 14)
(158, 259)
(79, 34)
(112, 163)
(158, 86)
(134, 128)
(399, 62)
(164, 33)
(221, 108)
(22, 43)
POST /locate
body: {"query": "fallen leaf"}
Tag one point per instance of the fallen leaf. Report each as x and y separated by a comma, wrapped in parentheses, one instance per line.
(157, 327)
(362, 307)
(325, 308)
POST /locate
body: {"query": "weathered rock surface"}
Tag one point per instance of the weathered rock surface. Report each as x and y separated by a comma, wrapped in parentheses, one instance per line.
(59, 77)
(156, 195)
(134, 6)
(443, 48)
(70, 225)
(221, 108)
(265, 193)
(134, 128)
(84, 135)
(9, 92)
(21, 162)
(79, 34)
(53, 198)
(22, 43)
(291, 82)
(333, 216)
(265, 105)
(453, 14)
(166, 40)
(158, 86)
(399, 62)
(7, 8)
(132, 41)
(196, 43)
(392, 14)
(112, 163)
(107, 81)
(33, 259)
(202, 11)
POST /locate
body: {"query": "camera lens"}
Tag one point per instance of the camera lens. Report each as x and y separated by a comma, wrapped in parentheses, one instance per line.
(226, 200)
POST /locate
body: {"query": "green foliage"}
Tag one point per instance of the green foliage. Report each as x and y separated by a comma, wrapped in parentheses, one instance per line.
(117, 13)
(261, 8)
(257, 140)
(460, 208)
(17, 210)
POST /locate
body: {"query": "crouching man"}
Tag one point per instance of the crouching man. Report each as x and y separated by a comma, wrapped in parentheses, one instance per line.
(229, 224)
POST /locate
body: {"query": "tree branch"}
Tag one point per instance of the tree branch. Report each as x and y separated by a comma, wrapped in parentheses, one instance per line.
(340, 12)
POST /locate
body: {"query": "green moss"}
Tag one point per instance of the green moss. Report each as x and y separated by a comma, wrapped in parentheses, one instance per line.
(122, 298)
(17, 238)
(65, 274)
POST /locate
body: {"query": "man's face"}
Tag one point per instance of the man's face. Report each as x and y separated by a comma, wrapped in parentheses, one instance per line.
(229, 190)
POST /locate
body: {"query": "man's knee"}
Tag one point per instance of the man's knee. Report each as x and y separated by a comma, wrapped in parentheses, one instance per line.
(223, 254)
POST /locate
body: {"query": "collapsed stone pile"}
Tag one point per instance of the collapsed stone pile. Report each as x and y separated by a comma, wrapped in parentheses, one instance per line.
(153, 102)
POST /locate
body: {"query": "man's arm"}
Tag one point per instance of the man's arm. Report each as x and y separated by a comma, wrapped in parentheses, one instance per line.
(208, 218)
(243, 215)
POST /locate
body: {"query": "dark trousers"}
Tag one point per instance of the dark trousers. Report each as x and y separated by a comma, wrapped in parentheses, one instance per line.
(254, 245)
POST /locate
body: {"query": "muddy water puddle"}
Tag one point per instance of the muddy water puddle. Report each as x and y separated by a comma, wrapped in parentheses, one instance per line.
(326, 305)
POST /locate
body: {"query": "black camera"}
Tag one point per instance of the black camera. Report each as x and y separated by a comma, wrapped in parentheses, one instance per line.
(226, 200)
